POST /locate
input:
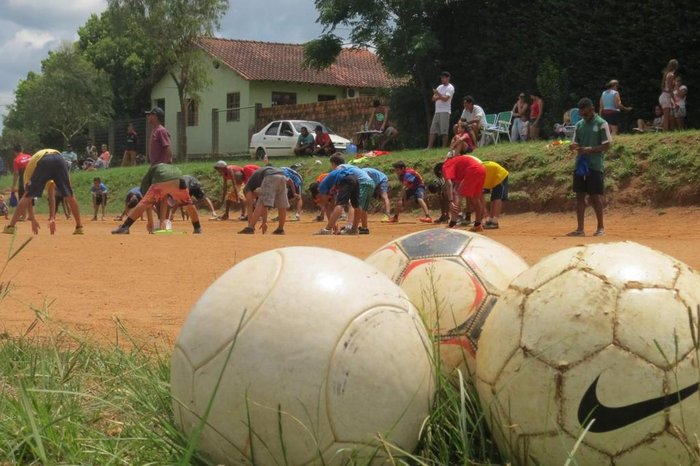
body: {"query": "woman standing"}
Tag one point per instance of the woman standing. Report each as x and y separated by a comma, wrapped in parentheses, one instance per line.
(666, 97)
(611, 104)
(536, 111)
(521, 118)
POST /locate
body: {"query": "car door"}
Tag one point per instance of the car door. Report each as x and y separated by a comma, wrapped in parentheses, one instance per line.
(287, 139)
(271, 139)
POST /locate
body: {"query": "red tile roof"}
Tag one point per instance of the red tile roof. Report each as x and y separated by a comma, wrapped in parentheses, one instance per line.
(269, 61)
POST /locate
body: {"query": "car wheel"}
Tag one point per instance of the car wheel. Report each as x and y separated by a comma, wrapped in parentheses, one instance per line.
(260, 153)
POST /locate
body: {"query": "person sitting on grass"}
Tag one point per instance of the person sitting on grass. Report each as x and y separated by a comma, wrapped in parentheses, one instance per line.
(269, 185)
(413, 187)
(238, 176)
(496, 184)
(162, 182)
(44, 167)
(305, 143)
(98, 190)
(323, 144)
(463, 140)
(381, 190)
(439, 187)
(651, 126)
(465, 177)
(133, 197)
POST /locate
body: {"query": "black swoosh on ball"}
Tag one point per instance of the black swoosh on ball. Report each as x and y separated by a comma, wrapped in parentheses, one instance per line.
(608, 419)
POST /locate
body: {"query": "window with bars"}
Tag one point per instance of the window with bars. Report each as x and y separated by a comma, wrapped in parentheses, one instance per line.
(233, 101)
(192, 112)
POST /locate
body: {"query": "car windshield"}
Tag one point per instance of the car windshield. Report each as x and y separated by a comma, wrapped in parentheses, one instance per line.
(311, 126)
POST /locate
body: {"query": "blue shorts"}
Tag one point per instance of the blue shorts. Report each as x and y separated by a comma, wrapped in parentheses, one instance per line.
(418, 193)
(499, 192)
(382, 187)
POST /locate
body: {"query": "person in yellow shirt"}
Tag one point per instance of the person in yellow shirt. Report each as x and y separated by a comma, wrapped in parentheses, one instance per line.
(496, 183)
(46, 167)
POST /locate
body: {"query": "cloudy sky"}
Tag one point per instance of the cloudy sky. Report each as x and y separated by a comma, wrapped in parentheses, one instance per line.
(30, 28)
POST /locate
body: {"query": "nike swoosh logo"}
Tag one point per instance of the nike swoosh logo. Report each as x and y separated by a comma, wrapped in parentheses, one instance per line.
(608, 419)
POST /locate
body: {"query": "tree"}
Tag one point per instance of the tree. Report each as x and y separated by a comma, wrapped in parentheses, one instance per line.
(64, 99)
(117, 44)
(173, 27)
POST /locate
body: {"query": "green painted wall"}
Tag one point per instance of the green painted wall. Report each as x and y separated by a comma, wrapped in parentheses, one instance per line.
(234, 136)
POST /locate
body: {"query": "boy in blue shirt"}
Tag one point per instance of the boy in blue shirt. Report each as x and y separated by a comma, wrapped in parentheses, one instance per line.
(381, 190)
(99, 197)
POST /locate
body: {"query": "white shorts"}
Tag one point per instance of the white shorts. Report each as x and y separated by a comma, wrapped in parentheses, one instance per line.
(440, 124)
(666, 100)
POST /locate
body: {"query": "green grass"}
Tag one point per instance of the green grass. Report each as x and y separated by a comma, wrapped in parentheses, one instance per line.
(657, 169)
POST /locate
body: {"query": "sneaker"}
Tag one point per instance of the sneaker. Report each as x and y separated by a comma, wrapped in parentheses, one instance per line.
(599, 232)
(275, 219)
(425, 220)
(79, 230)
(242, 218)
(443, 219)
(477, 228)
(247, 231)
(576, 233)
(452, 224)
(363, 231)
(121, 230)
(386, 218)
(491, 225)
(394, 219)
(320, 218)
(296, 218)
(465, 222)
(278, 231)
(349, 231)
(197, 231)
(323, 232)
(9, 230)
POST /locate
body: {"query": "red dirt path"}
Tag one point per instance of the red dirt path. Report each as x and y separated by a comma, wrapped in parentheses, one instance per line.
(150, 282)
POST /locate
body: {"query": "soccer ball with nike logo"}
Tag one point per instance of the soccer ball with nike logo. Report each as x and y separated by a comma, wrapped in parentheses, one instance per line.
(596, 343)
(454, 278)
(302, 356)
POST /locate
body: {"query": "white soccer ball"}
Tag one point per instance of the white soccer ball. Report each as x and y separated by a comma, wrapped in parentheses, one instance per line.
(318, 356)
(454, 279)
(600, 337)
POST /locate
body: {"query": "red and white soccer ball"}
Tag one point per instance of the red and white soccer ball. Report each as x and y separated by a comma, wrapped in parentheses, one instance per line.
(454, 279)
(600, 337)
(316, 362)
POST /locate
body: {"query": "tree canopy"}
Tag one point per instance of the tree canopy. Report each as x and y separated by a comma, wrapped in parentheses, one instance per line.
(64, 99)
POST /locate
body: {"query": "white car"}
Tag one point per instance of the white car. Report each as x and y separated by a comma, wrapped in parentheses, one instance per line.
(279, 138)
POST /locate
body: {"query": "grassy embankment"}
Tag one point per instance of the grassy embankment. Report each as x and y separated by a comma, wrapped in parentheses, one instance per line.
(650, 169)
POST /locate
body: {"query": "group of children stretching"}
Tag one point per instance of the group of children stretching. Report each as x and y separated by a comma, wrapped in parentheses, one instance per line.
(257, 189)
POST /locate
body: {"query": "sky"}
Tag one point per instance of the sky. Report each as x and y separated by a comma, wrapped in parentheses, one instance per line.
(30, 28)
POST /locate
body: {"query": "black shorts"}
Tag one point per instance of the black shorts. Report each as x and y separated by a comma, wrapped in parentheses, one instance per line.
(593, 183)
(612, 117)
(20, 187)
(348, 192)
(499, 192)
(100, 199)
(196, 192)
(50, 167)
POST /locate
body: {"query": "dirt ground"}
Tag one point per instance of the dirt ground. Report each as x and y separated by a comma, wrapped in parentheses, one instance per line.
(150, 282)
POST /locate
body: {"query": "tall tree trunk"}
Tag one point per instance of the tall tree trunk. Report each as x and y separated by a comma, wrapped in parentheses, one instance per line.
(181, 125)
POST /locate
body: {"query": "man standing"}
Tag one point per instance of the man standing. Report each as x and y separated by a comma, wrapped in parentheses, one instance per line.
(132, 138)
(160, 149)
(591, 140)
(442, 96)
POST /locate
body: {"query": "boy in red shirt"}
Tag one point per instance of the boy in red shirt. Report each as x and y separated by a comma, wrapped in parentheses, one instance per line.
(19, 164)
(466, 176)
(413, 186)
(238, 176)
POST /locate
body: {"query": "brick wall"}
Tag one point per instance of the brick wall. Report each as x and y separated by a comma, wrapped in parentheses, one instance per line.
(344, 116)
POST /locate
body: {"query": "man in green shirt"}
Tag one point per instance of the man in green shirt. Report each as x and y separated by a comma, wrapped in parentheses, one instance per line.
(591, 140)
(161, 182)
(305, 143)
